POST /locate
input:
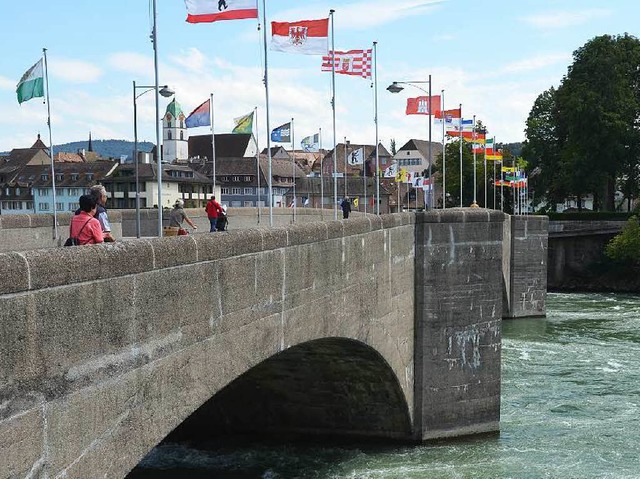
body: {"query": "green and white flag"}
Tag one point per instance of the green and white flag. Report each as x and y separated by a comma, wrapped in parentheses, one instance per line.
(244, 124)
(31, 84)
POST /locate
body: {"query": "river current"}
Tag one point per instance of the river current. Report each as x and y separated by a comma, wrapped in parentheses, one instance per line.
(570, 409)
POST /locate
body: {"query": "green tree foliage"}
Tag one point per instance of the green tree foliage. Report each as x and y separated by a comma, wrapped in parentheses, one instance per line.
(584, 137)
(625, 247)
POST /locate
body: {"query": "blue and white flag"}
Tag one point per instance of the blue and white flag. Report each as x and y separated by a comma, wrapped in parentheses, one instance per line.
(311, 143)
(282, 134)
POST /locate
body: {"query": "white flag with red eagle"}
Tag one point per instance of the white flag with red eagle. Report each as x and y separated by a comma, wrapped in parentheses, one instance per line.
(310, 37)
(352, 62)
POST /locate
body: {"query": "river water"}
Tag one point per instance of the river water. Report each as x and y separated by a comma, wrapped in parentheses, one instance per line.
(570, 409)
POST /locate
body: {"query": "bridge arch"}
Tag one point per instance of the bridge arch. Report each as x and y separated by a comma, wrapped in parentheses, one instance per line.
(329, 387)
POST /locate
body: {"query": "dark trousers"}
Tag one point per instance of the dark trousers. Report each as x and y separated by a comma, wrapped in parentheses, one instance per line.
(212, 224)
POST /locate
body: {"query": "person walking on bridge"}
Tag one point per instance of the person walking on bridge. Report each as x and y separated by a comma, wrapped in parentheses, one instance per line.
(346, 207)
(213, 210)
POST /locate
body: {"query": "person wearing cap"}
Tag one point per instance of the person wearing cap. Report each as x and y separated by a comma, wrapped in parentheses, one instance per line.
(178, 215)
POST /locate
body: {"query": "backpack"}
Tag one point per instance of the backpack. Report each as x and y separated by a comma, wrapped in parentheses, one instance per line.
(75, 240)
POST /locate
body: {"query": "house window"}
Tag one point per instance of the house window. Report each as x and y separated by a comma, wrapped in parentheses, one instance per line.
(169, 126)
(89, 176)
(59, 191)
(169, 137)
(75, 176)
(224, 191)
(44, 177)
(59, 177)
(248, 204)
(235, 178)
(236, 191)
(73, 206)
(60, 206)
(182, 135)
(247, 178)
(17, 191)
(248, 191)
(181, 126)
(29, 205)
(43, 191)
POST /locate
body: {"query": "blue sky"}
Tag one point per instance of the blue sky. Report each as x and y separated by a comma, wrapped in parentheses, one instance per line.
(493, 56)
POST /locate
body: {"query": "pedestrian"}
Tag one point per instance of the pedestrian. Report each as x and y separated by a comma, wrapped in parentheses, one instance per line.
(177, 216)
(346, 207)
(84, 226)
(221, 224)
(213, 210)
(100, 194)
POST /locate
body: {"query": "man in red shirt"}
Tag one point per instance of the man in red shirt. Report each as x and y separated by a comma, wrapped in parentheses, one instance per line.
(213, 209)
(83, 225)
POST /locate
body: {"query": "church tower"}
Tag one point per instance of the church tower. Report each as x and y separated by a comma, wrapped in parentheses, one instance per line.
(175, 145)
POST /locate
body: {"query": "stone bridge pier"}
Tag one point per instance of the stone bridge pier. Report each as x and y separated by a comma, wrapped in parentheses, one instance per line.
(375, 327)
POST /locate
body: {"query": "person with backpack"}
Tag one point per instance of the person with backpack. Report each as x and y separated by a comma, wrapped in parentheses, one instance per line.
(84, 228)
(213, 210)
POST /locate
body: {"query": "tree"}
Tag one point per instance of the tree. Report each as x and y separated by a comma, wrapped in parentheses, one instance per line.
(393, 146)
(584, 137)
(625, 247)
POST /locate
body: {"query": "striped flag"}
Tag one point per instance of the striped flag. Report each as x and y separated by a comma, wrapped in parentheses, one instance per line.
(31, 85)
(352, 62)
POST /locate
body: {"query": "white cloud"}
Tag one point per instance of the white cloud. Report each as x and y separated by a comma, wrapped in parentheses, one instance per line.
(6, 84)
(564, 19)
(191, 59)
(537, 63)
(75, 71)
(364, 14)
(134, 63)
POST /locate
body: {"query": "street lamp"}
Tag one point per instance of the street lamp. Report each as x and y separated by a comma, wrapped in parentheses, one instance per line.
(166, 92)
(396, 87)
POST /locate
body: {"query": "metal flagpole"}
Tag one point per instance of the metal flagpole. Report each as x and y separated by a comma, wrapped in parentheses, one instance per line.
(154, 40)
(345, 167)
(461, 127)
(430, 150)
(484, 172)
(473, 137)
(333, 108)
(364, 175)
(255, 139)
(293, 169)
(494, 173)
(266, 90)
(321, 173)
(375, 119)
(135, 159)
(213, 146)
(53, 172)
(444, 163)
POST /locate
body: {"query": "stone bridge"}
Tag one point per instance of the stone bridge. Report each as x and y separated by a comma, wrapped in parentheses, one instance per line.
(378, 327)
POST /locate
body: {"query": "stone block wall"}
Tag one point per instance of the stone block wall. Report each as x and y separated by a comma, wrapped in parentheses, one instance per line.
(458, 322)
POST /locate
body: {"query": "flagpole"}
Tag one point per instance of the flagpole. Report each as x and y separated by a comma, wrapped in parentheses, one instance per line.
(430, 151)
(154, 40)
(475, 189)
(345, 167)
(266, 90)
(494, 173)
(321, 173)
(213, 146)
(375, 108)
(484, 172)
(461, 128)
(53, 173)
(255, 139)
(444, 163)
(293, 168)
(333, 109)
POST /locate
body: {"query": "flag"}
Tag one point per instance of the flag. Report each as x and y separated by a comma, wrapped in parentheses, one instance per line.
(310, 37)
(311, 143)
(353, 62)
(391, 171)
(205, 11)
(461, 124)
(422, 106)
(355, 202)
(356, 157)
(471, 136)
(455, 113)
(201, 116)
(31, 85)
(450, 124)
(244, 124)
(282, 134)
(496, 156)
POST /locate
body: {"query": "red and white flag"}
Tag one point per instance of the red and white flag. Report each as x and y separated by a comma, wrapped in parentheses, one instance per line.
(353, 62)
(423, 105)
(205, 11)
(310, 37)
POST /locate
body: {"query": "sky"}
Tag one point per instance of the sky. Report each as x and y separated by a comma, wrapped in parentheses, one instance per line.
(492, 56)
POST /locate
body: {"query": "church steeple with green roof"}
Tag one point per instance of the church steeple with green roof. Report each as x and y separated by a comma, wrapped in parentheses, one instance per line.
(174, 137)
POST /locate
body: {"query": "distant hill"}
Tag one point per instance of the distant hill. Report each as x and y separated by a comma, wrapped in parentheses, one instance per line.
(104, 148)
(514, 148)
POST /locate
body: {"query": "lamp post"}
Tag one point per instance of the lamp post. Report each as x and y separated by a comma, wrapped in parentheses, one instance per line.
(396, 87)
(166, 92)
